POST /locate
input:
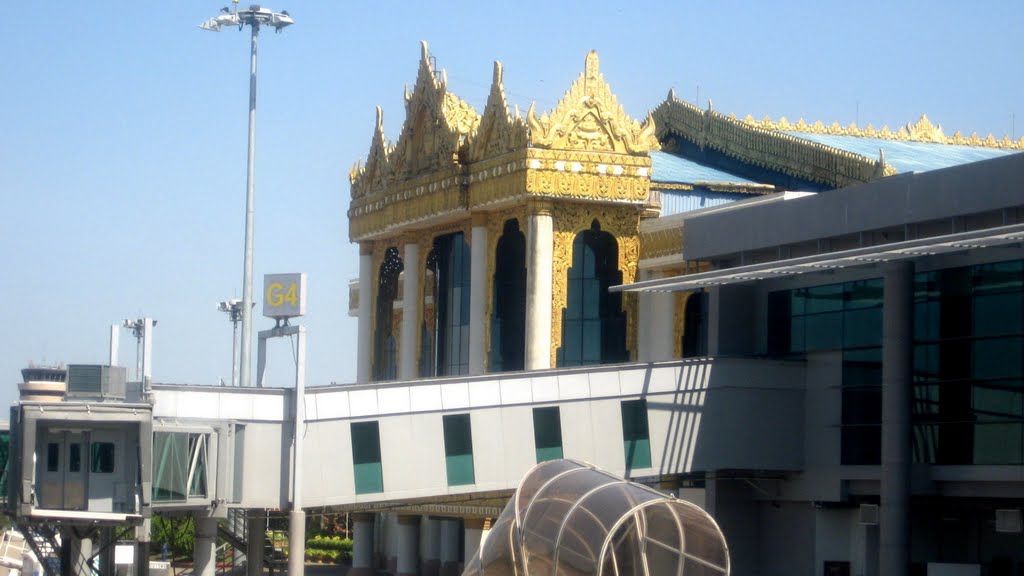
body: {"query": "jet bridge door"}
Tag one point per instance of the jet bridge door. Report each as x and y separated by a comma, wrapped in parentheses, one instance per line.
(63, 470)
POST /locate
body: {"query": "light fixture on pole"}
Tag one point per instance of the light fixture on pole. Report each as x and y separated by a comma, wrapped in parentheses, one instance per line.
(233, 308)
(255, 16)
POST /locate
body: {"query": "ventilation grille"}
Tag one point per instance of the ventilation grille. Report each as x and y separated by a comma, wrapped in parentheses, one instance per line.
(868, 514)
(1008, 521)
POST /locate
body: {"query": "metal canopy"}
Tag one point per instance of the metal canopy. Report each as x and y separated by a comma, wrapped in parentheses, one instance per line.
(930, 246)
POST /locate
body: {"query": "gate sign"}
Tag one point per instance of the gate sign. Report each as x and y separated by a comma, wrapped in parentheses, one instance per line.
(284, 295)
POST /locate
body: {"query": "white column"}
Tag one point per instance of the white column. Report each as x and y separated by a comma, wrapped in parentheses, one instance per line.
(644, 319)
(430, 546)
(81, 551)
(897, 401)
(365, 335)
(539, 248)
(473, 529)
(477, 294)
(205, 552)
(410, 313)
(362, 545)
(408, 548)
(661, 336)
(449, 547)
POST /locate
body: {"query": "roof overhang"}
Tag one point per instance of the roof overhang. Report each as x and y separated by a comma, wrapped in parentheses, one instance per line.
(922, 247)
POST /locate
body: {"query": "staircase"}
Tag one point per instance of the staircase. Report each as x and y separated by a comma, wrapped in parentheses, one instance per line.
(234, 531)
(45, 543)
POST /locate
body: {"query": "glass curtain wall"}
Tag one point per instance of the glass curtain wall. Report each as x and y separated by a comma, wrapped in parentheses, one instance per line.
(385, 364)
(508, 316)
(449, 266)
(968, 376)
(593, 323)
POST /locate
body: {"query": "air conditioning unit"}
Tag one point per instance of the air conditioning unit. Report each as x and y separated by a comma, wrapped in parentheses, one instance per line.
(1008, 521)
(96, 382)
(868, 514)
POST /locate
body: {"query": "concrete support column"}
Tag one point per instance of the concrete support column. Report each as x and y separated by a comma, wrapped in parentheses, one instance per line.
(142, 538)
(255, 536)
(205, 552)
(473, 531)
(407, 369)
(362, 545)
(365, 334)
(656, 315)
(450, 547)
(539, 249)
(430, 546)
(81, 551)
(477, 294)
(897, 395)
(408, 548)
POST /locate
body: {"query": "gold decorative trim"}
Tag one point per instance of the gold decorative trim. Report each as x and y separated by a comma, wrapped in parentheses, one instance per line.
(498, 132)
(768, 149)
(659, 243)
(568, 221)
(921, 131)
(590, 118)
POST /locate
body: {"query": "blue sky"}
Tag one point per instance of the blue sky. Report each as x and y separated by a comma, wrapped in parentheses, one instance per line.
(123, 135)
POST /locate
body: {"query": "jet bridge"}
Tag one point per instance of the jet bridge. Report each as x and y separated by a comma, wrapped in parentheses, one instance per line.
(80, 462)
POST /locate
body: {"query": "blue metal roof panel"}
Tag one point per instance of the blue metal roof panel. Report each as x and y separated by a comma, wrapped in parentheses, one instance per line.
(907, 156)
(678, 201)
(675, 169)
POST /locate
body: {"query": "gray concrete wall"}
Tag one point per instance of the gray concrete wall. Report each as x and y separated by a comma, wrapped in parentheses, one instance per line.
(967, 189)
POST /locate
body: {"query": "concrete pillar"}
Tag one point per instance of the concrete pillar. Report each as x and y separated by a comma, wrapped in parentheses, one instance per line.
(472, 537)
(80, 552)
(450, 547)
(430, 546)
(205, 553)
(655, 342)
(365, 335)
(296, 542)
(477, 293)
(142, 537)
(362, 545)
(255, 537)
(411, 299)
(897, 395)
(408, 549)
(391, 523)
(539, 249)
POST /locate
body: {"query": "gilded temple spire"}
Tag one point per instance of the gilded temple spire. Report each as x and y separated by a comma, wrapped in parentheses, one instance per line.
(498, 132)
(590, 118)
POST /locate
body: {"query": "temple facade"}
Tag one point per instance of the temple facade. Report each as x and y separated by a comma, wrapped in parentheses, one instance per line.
(488, 241)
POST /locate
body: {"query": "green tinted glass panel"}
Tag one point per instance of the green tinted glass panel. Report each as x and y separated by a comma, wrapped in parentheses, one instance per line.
(635, 435)
(547, 433)
(170, 466)
(458, 449)
(5, 451)
(197, 454)
(366, 461)
(102, 458)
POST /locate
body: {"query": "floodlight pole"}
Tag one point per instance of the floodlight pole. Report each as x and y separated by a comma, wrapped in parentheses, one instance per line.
(250, 200)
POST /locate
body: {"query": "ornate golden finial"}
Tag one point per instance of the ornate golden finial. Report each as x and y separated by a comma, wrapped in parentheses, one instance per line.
(924, 131)
(590, 118)
(497, 133)
(591, 69)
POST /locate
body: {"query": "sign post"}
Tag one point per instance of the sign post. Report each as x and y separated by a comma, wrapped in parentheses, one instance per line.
(284, 298)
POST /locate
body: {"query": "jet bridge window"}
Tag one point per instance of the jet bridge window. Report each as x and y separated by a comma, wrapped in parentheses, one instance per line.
(179, 466)
(102, 457)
